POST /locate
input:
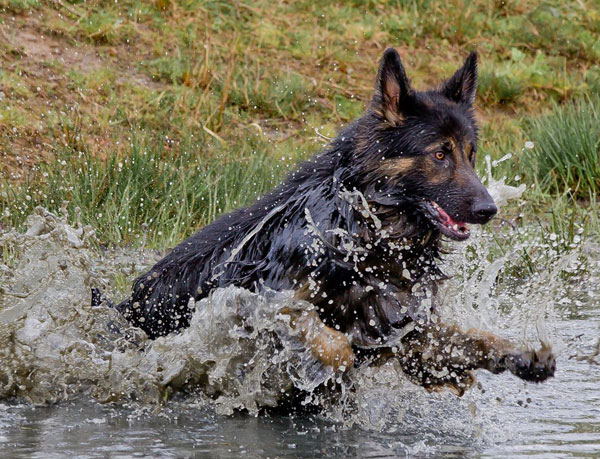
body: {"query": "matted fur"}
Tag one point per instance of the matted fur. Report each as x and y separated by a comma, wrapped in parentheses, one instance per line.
(352, 230)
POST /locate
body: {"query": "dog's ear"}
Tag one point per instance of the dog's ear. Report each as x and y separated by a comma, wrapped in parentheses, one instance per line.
(461, 88)
(392, 88)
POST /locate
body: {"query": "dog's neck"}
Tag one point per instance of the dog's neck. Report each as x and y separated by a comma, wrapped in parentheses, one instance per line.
(362, 233)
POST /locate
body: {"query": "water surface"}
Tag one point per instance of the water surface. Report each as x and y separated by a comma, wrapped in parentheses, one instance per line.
(77, 381)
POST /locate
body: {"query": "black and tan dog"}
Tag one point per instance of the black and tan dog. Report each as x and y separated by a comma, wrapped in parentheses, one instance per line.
(356, 231)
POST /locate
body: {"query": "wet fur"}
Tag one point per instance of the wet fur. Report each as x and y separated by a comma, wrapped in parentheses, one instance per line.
(369, 268)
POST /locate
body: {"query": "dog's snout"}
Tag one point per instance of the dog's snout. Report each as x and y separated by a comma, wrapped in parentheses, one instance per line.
(484, 211)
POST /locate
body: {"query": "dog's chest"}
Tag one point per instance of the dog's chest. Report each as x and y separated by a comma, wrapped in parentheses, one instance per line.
(370, 302)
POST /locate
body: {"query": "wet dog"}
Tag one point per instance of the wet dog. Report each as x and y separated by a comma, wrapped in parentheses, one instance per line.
(357, 232)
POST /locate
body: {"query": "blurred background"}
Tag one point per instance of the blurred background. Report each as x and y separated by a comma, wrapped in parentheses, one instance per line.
(163, 114)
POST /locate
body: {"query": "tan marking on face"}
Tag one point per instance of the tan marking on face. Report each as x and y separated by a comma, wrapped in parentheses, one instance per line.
(434, 147)
(468, 149)
(460, 178)
(453, 143)
(462, 149)
(463, 170)
(434, 174)
(397, 166)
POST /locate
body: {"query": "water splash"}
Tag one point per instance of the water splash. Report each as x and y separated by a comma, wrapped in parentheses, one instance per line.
(239, 352)
(500, 192)
(238, 349)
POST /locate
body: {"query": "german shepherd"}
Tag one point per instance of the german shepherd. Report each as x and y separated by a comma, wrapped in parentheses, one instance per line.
(356, 230)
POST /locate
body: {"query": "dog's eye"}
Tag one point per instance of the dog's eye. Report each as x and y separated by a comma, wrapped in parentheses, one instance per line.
(439, 155)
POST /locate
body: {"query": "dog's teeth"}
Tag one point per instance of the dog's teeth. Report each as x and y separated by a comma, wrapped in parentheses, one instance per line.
(455, 227)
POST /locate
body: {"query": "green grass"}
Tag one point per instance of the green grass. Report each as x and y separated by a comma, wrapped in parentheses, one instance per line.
(157, 193)
(566, 149)
(238, 85)
(19, 6)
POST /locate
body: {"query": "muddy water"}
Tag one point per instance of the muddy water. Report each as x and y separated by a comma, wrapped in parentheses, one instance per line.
(78, 381)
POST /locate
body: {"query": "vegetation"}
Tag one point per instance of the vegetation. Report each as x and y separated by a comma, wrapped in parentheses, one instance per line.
(152, 192)
(566, 151)
(154, 117)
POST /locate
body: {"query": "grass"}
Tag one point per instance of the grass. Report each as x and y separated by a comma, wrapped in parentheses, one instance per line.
(158, 192)
(566, 148)
(161, 115)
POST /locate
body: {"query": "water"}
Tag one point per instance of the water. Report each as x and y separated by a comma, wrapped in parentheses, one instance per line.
(78, 381)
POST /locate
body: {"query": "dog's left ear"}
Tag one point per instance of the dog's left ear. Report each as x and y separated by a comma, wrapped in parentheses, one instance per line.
(462, 86)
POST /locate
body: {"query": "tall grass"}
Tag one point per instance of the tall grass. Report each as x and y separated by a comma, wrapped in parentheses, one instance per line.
(239, 73)
(156, 193)
(566, 151)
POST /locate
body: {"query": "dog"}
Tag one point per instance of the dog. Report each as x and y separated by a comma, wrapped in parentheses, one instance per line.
(357, 231)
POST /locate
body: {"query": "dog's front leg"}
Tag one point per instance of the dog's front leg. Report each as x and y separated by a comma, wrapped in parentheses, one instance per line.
(329, 346)
(438, 355)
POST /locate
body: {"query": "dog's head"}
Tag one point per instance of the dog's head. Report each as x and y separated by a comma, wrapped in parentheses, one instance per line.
(417, 149)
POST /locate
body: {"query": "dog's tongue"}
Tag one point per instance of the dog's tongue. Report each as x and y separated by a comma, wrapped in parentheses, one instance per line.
(449, 222)
(452, 222)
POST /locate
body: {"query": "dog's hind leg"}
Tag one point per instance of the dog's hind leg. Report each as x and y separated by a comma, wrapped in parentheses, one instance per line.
(440, 355)
(329, 346)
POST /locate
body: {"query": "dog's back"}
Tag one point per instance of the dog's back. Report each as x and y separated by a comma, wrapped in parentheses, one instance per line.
(260, 245)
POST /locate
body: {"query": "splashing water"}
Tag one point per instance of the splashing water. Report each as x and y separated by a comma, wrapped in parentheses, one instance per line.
(238, 348)
(500, 192)
(239, 352)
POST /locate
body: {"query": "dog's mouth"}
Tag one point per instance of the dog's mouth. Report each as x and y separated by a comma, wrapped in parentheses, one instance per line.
(459, 231)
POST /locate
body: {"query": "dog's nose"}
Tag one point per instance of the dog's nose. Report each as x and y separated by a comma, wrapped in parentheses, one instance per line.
(484, 211)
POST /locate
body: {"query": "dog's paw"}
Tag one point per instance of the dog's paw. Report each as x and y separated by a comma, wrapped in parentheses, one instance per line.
(458, 383)
(534, 366)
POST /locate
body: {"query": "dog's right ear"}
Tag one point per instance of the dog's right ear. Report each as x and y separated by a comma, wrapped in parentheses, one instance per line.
(392, 88)
(461, 88)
